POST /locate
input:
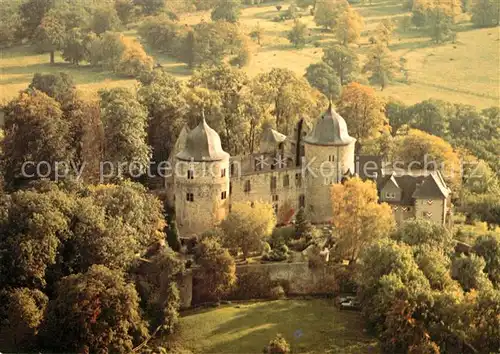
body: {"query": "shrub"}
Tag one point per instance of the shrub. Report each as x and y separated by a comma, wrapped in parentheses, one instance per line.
(282, 236)
(134, 61)
(277, 254)
(252, 285)
(277, 292)
(278, 345)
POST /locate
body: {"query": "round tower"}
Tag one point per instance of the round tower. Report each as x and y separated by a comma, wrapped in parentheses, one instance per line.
(329, 155)
(201, 182)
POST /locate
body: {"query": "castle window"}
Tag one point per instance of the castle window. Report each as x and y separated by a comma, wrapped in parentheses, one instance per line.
(247, 187)
(231, 168)
(275, 207)
(230, 188)
(298, 180)
(223, 172)
(273, 183)
(190, 174)
(302, 201)
(190, 197)
(390, 195)
(275, 198)
(286, 180)
(223, 195)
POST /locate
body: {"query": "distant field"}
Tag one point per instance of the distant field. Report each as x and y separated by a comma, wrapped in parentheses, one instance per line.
(314, 326)
(465, 72)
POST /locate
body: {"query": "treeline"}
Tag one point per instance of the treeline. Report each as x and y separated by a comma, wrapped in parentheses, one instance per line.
(207, 43)
(419, 295)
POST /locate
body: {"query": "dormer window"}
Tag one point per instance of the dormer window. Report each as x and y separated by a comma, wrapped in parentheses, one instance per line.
(390, 195)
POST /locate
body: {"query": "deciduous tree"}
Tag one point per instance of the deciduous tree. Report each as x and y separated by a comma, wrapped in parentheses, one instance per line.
(362, 110)
(297, 35)
(349, 26)
(343, 60)
(247, 226)
(358, 218)
(325, 79)
(226, 10)
(327, 13)
(381, 65)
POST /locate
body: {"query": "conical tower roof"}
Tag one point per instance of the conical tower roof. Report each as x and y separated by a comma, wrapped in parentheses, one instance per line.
(330, 130)
(202, 144)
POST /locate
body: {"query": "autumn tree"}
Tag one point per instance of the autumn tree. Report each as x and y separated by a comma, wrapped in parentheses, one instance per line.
(134, 62)
(349, 26)
(287, 97)
(419, 150)
(381, 65)
(217, 268)
(324, 78)
(384, 30)
(358, 218)
(50, 35)
(362, 110)
(94, 311)
(247, 226)
(488, 247)
(343, 61)
(226, 10)
(124, 121)
(486, 13)
(327, 13)
(34, 131)
(297, 35)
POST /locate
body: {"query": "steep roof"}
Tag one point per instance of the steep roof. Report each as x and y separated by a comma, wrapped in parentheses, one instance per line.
(273, 136)
(330, 130)
(432, 186)
(202, 144)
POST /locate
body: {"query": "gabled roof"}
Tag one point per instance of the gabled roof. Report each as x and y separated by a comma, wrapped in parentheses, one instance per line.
(330, 130)
(432, 186)
(273, 136)
(203, 144)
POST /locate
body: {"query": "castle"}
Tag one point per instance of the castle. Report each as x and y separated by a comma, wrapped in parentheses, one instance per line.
(290, 172)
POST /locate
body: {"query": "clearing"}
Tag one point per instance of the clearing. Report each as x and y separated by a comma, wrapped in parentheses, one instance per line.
(310, 326)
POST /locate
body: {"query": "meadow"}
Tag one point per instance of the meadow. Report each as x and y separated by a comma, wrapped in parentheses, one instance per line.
(467, 71)
(310, 326)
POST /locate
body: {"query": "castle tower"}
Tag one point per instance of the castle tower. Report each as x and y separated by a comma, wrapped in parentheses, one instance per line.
(201, 182)
(329, 155)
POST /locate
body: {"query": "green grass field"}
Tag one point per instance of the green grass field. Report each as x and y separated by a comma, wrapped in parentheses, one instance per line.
(310, 326)
(465, 72)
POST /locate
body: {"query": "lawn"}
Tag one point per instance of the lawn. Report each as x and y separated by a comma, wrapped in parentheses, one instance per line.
(310, 326)
(465, 72)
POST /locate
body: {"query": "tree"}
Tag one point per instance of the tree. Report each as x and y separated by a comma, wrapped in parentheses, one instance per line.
(297, 35)
(384, 31)
(34, 227)
(440, 20)
(484, 322)
(34, 131)
(107, 50)
(257, 34)
(32, 12)
(327, 13)
(325, 79)
(173, 238)
(349, 26)
(247, 226)
(397, 114)
(25, 312)
(134, 61)
(362, 110)
(488, 247)
(357, 217)
(226, 10)
(105, 18)
(380, 65)
(419, 150)
(59, 86)
(124, 10)
(468, 270)
(303, 226)
(10, 23)
(287, 97)
(343, 60)
(432, 116)
(125, 122)
(50, 35)
(156, 283)
(76, 46)
(485, 13)
(163, 96)
(217, 268)
(150, 7)
(97, 311)
(277, 345)
(418, 232)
